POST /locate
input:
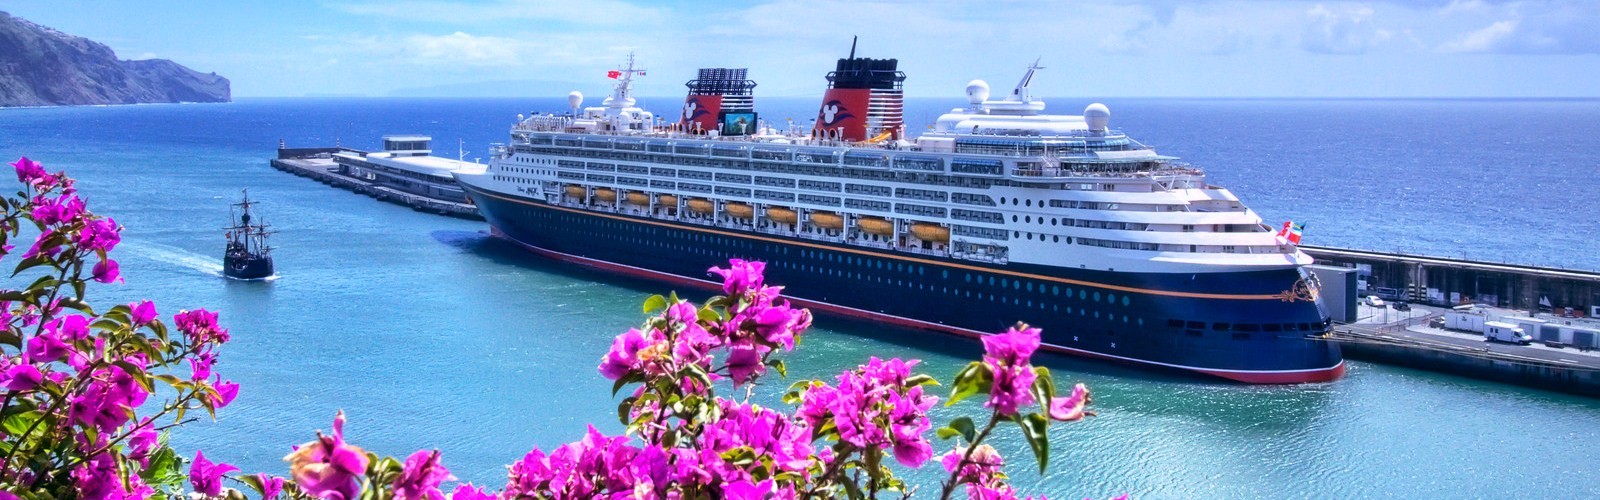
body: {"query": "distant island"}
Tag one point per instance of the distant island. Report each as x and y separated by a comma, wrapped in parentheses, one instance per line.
(40, 66)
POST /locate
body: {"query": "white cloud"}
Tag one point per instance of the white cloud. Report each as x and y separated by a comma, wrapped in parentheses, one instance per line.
(1488, 39)
(447, 12)
(460, 47)
(1348, 29)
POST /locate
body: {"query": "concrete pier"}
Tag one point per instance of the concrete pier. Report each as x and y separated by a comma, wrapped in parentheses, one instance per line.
(1444, 281)
(318, 164)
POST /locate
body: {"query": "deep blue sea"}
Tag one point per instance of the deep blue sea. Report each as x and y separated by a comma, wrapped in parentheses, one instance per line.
(430, 334)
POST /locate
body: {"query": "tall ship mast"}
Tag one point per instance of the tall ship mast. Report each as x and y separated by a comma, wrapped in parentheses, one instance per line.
(247, 256)
(1000, 213)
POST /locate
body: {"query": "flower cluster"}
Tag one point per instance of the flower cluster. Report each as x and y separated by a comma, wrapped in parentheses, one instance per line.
(77, 379)
(877, 405)
(757, 323)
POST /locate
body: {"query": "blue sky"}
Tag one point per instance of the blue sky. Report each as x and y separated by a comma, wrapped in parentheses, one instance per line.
(1153, 48)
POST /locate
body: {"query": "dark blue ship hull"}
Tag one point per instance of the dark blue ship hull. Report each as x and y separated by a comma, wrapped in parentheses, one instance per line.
(247, 267)
(1247, 326)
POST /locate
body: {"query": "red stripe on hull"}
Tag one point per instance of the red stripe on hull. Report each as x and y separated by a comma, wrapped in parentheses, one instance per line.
(1249, 377)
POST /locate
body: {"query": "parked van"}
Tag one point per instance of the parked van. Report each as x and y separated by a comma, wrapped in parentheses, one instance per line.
(1498, 331)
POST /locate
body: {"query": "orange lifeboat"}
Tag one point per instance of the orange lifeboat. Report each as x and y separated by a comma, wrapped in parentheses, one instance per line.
(577, 191)
(876, 225)
(781, 215)
(700, 205)
(637, 198)
(930, 232)
(605, 194)
(827, 220)
(668, 200)
(739, 210)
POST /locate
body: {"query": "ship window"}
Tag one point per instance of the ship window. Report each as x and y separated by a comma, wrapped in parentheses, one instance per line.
(1305, 327)
(1030, 286)
(1221, 327)
(1247, 327)
(1013, 218)
(1125, 300)
(1175, 323)
(1057, 239)
(1097, 296)
(1271, 327)
(1083, 294)
(1111, 298)
(1055, 289)
(1016, 285)
(1195, 325)
(1288, 327)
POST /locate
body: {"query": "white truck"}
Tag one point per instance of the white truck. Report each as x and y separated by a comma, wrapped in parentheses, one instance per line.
(1499, 331)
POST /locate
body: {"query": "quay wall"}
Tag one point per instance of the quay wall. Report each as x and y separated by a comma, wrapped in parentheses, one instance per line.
(1489, 366)
(1448, 282)
(305, 165)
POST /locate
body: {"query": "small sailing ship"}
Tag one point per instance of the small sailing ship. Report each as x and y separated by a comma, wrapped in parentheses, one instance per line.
(247, 257)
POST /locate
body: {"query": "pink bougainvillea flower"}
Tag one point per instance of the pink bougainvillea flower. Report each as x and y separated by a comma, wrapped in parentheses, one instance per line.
(328, 467)
(206, 477)
(270, 486)
(746, 490)
(47, 346)
(1007, 355)
(470, 492)
(23, 377)
(75, 327)
(741, 276)
(420, 477)
(1070, 407)
(100, 234)
(31, 172)
(226, 392)
(624, 354)
(743, 364)
(143, 313)
(107, 271)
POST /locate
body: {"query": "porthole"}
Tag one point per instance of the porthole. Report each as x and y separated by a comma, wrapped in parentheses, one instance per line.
(1055, 289)
(1028, 219)
(1013, 218)
(1097, 296)
(1111, 298)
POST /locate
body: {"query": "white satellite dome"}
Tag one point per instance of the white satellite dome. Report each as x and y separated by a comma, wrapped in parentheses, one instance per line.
(977, 91)
(574, 99)
(1097, 116)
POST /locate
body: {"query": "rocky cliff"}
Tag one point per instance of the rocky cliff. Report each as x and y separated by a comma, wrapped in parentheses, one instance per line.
(40, 66)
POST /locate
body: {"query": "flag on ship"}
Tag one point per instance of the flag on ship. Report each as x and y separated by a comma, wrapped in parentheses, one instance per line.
(614, 74)
(1291, 232)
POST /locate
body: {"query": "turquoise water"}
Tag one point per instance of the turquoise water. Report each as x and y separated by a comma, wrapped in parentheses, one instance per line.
(429, 334)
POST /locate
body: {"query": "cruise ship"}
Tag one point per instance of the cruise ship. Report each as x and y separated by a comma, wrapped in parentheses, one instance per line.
(999, 213)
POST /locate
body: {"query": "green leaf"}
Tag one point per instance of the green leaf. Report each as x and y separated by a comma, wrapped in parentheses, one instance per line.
(623, 409)
(17, 423)
(1035, 428)
(654, 303)
(29, 263)
(921, 379)
(965, 427)
(253, 481)
(78, 304)
(708, 315)
(780, 367)
(1044, 387)
(975, 378)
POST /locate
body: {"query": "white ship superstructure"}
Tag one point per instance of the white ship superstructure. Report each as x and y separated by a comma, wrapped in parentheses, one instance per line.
(998, 191)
